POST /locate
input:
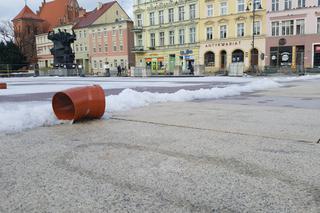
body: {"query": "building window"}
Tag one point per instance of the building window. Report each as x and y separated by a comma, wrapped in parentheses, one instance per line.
(287, 27)
(257, 4)
(318, 25)
(192, 9)
(171, 37)
(151, 16)
(181, 36)
(223, 31)
(100, 64)
(114, 31)
(301, 3)
(240, 29)
(152, 39)
(209, 33)
(300, 26)
(139, 20)
(287, 4)
(223, 8)
(241, 6)
(171, 15)
(275, 28)
(181, 13)
(257, 28)
(139, 40)
(209, 59)
(106, 47)
(192, 32)
(161, 39)
(95, 64)
(161, 18)
(275, 5)
(209, 10)
(114, 46)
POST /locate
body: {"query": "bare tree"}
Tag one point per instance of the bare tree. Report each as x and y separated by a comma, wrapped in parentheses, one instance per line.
(6, 31)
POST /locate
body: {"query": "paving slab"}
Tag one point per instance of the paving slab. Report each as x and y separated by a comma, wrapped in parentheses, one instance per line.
(237, 154)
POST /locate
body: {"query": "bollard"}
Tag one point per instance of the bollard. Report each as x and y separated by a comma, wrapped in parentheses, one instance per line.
(3, 85)
(79, 103)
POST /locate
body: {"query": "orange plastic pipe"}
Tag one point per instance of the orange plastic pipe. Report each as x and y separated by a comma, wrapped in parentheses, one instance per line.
(3, 85)
(79, 103)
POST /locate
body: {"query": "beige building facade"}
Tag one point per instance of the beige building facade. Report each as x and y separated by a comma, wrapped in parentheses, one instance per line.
(166, 36)
(226, 34)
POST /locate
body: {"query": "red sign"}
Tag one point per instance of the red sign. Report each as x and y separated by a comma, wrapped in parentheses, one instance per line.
(160, 59)
(317, 49)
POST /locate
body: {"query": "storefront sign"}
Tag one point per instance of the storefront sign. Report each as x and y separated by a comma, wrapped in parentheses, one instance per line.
(224, 44)
(188, 57)
(282, 41)
(317, 49)
(285, 57)
(160, 59)
(186, 52)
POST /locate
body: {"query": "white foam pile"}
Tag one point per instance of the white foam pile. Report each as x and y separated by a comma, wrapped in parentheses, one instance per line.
(15, 117)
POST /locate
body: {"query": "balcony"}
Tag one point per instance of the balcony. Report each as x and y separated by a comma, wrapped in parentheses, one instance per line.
(138, 49)
(137, 29)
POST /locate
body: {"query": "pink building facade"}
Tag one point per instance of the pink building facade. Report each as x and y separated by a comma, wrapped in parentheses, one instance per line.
(111, 43)
(293, 38)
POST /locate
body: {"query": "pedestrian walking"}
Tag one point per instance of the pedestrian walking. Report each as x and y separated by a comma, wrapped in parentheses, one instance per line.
(119, 70)
(107, 69)
(191, 69)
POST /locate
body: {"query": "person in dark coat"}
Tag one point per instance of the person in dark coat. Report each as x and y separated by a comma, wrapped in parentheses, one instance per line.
(119, 70)
(191, 70)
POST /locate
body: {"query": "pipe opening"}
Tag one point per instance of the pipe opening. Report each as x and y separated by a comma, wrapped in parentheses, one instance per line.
(63, 107)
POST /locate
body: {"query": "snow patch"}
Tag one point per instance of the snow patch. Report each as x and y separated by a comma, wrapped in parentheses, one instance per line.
(15, 117)
(129, 98)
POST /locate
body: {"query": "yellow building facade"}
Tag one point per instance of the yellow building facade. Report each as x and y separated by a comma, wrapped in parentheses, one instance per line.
(167, 35)
(226, 30)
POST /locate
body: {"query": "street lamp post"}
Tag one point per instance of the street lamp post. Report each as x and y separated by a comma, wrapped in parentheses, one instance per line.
(254, 5)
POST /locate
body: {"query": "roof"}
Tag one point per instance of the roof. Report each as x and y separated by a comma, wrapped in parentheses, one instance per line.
(27, 13)
(90, 17)
(53, 11)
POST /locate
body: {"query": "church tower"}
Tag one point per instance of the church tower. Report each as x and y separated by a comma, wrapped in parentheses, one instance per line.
(26, 25)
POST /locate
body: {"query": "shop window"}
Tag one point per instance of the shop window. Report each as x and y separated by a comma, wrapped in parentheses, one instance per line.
(316, 59)
(209, 58)
(237, 56)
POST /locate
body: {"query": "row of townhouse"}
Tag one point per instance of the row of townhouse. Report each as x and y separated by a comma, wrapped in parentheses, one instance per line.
(103, 35)
(173, 35)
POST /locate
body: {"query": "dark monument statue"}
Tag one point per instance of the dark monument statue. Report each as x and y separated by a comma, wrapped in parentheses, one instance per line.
(62, 51)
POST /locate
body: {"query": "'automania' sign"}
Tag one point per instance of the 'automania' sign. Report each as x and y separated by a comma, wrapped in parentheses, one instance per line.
(224, 44)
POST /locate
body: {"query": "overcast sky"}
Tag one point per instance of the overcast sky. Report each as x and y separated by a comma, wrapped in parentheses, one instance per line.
(10, 8)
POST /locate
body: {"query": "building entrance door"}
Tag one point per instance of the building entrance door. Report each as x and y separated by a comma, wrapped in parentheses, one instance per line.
(254, 57)
(172, 63)
(300, 59)
(223, 59)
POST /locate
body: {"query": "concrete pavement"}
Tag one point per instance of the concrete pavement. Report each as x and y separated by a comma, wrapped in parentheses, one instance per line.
(252, 153)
